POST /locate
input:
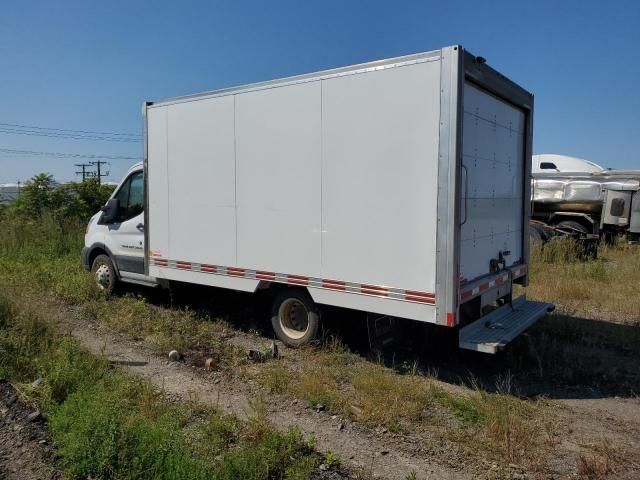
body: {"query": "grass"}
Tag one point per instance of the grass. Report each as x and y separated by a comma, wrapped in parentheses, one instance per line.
(44, 258)
(594, 337)
(603, 460)
(331, 378)
(605, 288)
(507, 428)
(132, 430)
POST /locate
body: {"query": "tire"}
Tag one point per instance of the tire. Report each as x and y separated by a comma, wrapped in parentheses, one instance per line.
(588, 249)
(536, 234)
(573, 226)
(295, 317)
(104, 273)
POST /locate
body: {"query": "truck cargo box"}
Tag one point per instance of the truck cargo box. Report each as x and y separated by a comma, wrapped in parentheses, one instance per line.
(399, 187)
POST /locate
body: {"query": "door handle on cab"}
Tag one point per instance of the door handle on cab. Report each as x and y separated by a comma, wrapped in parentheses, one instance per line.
(140, 226)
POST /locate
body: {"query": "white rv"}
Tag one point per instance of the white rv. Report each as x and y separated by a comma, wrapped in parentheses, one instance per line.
(398, 187)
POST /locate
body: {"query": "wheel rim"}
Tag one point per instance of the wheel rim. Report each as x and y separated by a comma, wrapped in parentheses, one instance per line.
(294, 318)
(103, 276)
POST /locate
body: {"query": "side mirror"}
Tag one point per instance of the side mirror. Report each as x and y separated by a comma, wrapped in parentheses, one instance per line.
(110, 211)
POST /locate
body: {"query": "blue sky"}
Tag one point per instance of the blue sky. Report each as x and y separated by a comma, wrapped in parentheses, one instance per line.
(89, 65)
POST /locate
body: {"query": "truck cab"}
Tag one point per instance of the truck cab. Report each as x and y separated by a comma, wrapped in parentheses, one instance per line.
(551, 163)
(114, 240)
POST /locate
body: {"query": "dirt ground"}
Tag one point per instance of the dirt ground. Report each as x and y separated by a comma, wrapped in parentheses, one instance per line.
(25, 447)
(357, 447)
(600, 431)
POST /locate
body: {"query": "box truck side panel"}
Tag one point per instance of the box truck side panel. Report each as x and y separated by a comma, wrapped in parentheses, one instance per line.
(278, 154)
(492, 182)
(380, 134)
(201, 176)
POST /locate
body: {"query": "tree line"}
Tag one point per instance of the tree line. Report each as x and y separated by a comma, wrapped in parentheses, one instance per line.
(70, 201)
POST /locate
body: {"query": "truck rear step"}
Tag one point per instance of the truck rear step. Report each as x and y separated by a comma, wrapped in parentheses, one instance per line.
(493, 331)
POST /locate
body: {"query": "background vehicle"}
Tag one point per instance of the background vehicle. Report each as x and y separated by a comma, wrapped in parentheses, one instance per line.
(398, 187)
(551, 162)
(590, 204)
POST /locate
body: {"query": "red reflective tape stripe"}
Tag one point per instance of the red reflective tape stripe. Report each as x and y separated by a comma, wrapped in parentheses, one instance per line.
(414, 293)
(377, 293)
(451, 319)
(364, 288)
(297, 280)
(374, 288)
(298, 277)
(265, 275)
(334, 284)
(427, 301)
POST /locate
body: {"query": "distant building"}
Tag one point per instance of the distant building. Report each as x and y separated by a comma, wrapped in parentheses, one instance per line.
(9, 192)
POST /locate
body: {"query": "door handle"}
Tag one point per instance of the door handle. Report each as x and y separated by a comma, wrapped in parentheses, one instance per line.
(466, 192)
(140, 226)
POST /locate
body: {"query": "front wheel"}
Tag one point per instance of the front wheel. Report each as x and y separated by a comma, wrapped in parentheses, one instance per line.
(295, 318)
(104, 273)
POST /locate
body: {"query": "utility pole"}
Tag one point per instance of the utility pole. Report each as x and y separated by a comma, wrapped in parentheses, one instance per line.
(99, 173)
(84, 169)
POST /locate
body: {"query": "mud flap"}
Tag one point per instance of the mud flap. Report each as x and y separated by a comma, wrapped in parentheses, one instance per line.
(382, 331)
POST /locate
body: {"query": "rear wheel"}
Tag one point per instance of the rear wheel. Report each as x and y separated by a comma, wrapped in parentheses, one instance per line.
(295, 317)
(104, 273)
(571, 226)
(588, 247)
(536, 234)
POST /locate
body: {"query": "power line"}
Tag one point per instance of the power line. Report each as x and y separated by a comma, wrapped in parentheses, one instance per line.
(34, 133)
(68, 130)
(99, 174)
(66, 155)
(84, 172)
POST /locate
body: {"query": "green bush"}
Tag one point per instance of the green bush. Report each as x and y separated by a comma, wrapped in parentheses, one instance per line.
(74, 200)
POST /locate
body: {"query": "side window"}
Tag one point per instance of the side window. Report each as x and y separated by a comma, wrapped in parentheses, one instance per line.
(548, 166)
(617, 207)
(123, 195)
(136, 196)
(131, 197)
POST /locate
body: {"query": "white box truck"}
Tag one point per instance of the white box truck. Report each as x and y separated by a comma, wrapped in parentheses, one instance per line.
(399, 187)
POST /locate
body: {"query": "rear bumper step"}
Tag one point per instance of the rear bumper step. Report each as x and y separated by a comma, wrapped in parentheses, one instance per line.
(496, 329)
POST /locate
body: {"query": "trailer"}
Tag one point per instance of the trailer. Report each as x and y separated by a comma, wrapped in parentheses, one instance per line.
(588, 206)
(399, 187)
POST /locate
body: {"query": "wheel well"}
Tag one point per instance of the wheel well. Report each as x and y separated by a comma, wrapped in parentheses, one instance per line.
(102, 251)
(271, 290)
(94, 253)
(574, 218)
